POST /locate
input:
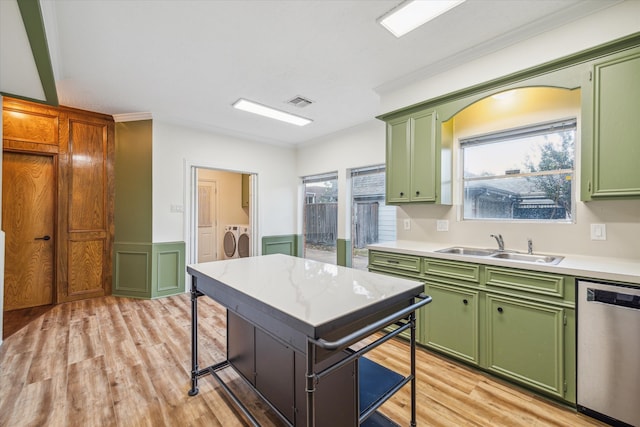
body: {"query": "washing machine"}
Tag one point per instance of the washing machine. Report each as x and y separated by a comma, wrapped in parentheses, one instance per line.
(243, 247)
(230, 241)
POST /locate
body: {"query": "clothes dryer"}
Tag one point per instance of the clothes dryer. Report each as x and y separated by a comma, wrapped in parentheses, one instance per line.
(230, 241)
(244, 240)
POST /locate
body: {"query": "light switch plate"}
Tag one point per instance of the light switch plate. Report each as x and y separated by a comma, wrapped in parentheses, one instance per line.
(598, 232)
(442, 225)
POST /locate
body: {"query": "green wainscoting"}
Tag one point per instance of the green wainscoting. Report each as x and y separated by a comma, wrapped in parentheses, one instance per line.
(167, 272)
(149, 270)
(289, 244)
(344, 252)
(132, 269)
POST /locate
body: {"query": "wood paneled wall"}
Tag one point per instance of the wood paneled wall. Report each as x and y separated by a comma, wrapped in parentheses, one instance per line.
(82, 144)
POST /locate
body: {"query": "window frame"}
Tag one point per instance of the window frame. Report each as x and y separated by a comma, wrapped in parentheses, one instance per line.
(536, 129)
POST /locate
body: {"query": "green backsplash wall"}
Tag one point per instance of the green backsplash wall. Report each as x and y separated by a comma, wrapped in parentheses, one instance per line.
(133, 210)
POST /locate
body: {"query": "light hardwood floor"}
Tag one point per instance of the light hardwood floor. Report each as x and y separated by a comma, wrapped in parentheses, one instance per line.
(123, 362)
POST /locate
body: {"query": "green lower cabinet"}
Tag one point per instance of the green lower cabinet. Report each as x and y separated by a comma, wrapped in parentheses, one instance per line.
(525, 342)
(515, 323)
(451, 321)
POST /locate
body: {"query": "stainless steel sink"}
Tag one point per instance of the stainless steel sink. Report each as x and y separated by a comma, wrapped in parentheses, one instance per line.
(506, 255)
(460, 250)
(538, 259)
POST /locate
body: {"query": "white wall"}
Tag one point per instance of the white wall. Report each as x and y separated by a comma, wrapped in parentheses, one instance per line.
(360, 146)
(176, 148)
(601, 27)
(622, 218)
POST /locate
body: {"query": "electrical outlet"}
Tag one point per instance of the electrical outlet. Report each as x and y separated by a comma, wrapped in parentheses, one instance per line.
(598, 232)
(177, 208)
(442, 225)
(407, 224)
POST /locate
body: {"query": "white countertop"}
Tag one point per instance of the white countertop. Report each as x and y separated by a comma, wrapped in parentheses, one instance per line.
(600, 268)
(313, 292)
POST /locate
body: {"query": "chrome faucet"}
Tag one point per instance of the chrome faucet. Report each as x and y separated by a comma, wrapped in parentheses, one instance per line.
(530, 246)
(499, 240)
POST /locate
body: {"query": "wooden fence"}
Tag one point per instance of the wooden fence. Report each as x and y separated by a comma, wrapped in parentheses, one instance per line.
(366, 225)
(321, 224)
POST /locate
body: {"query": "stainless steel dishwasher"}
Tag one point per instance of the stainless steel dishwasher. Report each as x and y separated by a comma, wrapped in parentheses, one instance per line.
(608, 352)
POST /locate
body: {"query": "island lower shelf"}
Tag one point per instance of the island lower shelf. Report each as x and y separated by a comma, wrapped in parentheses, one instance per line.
(277, 372)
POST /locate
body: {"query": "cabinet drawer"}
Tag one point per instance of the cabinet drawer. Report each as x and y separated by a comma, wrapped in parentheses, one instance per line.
(529, 281)
(452, 270)
(401, 263)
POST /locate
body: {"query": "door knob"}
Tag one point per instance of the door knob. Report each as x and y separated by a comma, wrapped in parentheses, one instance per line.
(43, 238)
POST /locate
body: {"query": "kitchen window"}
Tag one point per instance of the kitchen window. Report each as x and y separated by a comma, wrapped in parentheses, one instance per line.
(522, 174)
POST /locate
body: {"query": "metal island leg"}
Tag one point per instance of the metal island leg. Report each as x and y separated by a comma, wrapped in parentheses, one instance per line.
(195, 372)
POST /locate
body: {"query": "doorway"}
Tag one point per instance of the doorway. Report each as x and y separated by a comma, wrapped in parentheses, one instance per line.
(28, 219)
(372, 220)
(320, 217)
(220, 199)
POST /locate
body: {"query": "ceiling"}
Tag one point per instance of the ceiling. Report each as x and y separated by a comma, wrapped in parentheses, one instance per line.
(186, 61)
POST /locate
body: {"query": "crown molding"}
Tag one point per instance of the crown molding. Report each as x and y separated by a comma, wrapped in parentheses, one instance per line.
(131, 117)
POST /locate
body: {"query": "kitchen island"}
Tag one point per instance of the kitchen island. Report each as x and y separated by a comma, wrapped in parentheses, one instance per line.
(291, 323)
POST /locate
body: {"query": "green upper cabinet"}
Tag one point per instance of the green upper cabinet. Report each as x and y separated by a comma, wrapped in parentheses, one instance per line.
(610, 163)
(398, 160)
(414, 160)
(423, 157)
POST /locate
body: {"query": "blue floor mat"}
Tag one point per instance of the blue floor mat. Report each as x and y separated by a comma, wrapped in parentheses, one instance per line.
(375, 381)
(378, 420)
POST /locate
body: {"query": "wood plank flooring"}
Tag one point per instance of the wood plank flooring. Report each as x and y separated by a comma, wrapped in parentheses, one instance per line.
(123, 362)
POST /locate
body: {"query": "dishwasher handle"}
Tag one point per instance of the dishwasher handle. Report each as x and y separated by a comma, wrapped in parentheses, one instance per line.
(614, 298)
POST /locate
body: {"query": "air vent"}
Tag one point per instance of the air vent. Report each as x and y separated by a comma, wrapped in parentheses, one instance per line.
(300, 102)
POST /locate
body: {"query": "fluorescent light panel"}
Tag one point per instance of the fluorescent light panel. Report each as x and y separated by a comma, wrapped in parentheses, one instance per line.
(409, 15)
(272, 113)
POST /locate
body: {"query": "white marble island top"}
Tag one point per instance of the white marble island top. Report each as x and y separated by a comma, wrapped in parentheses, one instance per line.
(590, 267)
(306, 295)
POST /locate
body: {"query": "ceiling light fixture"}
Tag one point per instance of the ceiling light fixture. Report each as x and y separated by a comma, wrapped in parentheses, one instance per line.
(272, 113)
(409, 15)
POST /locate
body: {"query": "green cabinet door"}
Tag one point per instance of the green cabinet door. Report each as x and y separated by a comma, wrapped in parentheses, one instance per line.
(616, 128)
(451, 321)
(398, 158)
(525, 342)
(423, 157)
(413, 158)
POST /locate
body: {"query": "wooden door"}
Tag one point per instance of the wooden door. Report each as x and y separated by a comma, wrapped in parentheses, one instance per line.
(207, 229)
(28, 219)
(85, 205)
